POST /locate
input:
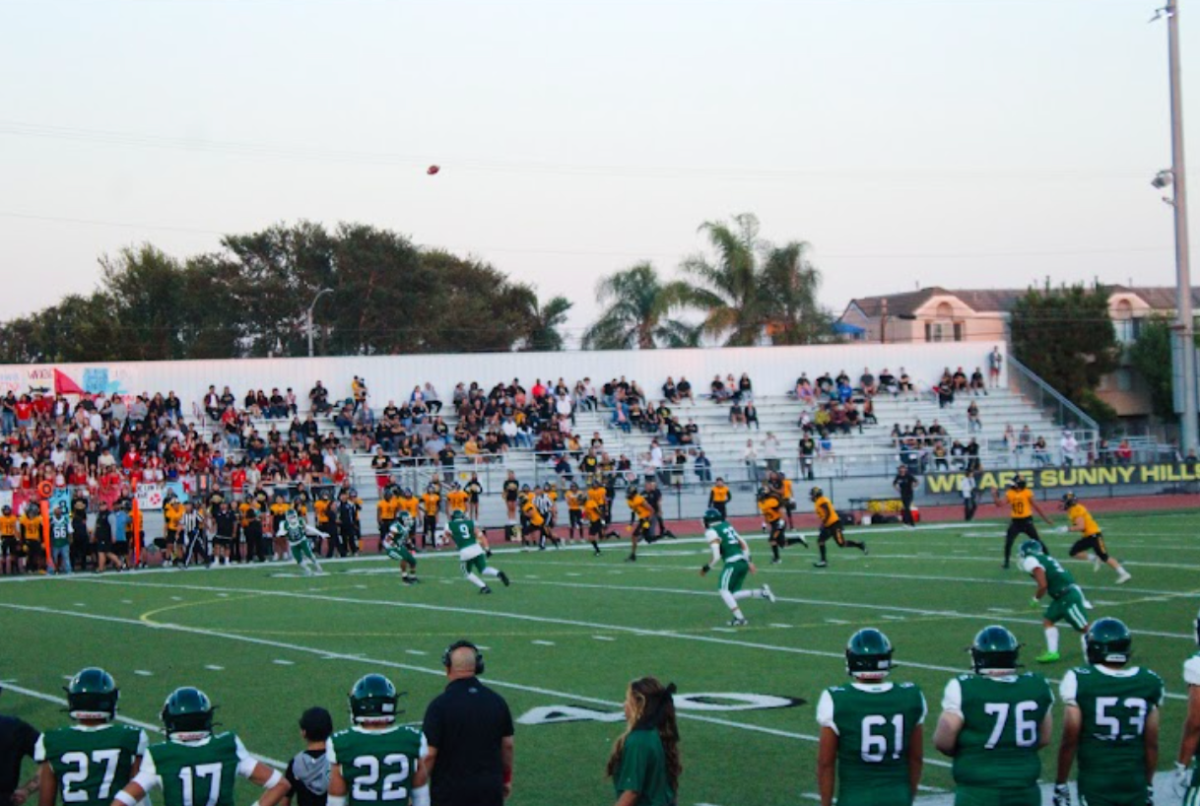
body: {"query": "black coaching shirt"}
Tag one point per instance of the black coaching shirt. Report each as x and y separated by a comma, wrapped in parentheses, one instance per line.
(17, 740)
(466, 723)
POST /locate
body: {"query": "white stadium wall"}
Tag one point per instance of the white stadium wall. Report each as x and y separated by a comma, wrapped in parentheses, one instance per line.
(773, 369)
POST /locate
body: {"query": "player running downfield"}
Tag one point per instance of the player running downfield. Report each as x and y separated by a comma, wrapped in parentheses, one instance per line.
(871, 730)
(640, 513)
(770, 505)
(1091, 538)
(293, 527)
(1110, 721)
(1067, 602)
(376, 760)
(1021, 508)
(993, 724)
(472, 547)
(90, 761)
(831, 527)
(398, 545)
(194, 766)
(731, 550)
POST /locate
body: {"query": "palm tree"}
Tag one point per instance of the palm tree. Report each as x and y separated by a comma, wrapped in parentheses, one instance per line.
(544, 321)
(791, 281)
(729, 289)
(638, 311)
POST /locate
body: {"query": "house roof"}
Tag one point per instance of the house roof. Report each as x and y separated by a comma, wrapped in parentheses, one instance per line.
(998, 300)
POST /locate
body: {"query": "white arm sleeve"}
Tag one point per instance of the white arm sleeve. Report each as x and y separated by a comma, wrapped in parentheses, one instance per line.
(1068, 689)
(39, 749)
(825, 712)
(1191, 671)
(282, 529)
(952, 698)
(424, 746)
(924, 710)
(246, 762)
(716, 552)
(1030, 563)
(330, 754)
(143, 743)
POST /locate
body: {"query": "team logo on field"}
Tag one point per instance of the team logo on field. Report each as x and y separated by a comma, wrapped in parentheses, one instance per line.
(699, 702)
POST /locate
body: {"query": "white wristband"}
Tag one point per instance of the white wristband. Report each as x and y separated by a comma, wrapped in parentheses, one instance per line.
(276, 777)
(126, 798)
(420, 796)
(335, 800)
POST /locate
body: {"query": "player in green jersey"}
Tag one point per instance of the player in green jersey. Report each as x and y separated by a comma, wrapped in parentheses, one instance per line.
(194, 766)
(88, 762)
(1187, 775)
(376, 760)
(729, 548)
(397, 544)
(871, 730)
(296, 530)
(993, 724)
(1067, 602)
(472, 548)
(1111, 721)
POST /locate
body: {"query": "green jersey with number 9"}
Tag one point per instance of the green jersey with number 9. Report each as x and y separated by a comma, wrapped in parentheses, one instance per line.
(377, 765)
(92, 764)
(1002, 716)
(874, 723)
(199, 773)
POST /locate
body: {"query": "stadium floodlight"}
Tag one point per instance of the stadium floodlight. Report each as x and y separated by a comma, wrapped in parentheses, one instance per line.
(1162, 180)
(309, 322)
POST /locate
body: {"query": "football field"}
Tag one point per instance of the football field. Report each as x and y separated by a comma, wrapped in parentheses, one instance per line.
(562, 643)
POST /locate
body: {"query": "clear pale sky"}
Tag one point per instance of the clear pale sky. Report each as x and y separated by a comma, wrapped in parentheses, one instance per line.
(968, 143)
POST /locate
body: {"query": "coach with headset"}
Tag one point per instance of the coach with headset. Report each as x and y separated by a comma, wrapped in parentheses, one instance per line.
(469, 730)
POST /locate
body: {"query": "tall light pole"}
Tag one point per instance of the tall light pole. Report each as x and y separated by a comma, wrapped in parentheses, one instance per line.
(1183, 275)
(320, 294)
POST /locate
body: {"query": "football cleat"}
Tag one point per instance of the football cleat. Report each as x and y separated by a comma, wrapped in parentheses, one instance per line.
(485, 590)
(504, 579)
(632, 558)
(738, 622)
(1049, 657)
(820, 564)
(767, 593)
(1124, 577)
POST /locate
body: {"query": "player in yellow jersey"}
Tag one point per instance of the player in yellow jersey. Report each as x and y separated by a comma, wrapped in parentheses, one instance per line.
(771, 507)
(719, 496)
(10, 553)
(32, 547)
(1022, 506)
(831, 526)
(640, 513)
(456, 497)
(575, 499)
(1091, 538)
(279, 545)
(172, 515)
(431, 501)
(385, 512)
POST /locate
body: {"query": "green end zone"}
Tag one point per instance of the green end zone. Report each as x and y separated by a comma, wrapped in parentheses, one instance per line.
(565, 639)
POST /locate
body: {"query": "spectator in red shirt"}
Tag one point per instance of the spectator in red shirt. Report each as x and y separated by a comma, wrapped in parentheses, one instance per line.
(24, 410)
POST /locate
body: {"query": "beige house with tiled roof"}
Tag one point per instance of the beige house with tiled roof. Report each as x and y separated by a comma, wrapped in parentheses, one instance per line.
(938, 314)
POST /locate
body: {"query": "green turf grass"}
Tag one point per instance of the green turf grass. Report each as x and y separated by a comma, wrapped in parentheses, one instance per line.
(574, 629)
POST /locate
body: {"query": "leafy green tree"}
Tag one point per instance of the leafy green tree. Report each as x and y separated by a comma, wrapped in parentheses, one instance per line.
(638, 312)
(146, 287)
(728, 287)
(789, 285)
(545, 321)
(1065, 336)
(1150, 355)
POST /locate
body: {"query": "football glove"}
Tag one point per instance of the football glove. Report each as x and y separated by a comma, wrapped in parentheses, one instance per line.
(705, 569)
(1035, 603)
(1150, 795)
(1180, 780)
(1062, 795)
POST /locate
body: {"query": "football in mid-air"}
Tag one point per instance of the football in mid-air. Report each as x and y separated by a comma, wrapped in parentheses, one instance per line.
(432, 169)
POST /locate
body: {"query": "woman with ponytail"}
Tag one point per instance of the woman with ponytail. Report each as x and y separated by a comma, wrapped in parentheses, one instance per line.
(644, 764)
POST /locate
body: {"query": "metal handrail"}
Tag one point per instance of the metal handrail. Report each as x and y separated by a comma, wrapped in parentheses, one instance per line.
(1049, 390)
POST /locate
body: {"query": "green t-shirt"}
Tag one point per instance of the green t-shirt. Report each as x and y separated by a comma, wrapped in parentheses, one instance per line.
(1058, 579)
(462, 532)
(874, 722)
(197, 773)
(727, 540)
(998, 744)
(92, 764)
(60, 531)
(643, 769)
(377, 765)
(1114, 705)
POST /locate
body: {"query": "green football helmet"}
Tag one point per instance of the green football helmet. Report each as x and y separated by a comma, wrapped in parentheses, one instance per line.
(373, 699)
(92, 694)
(1030, 547)
(712, 516)
(1109, 641)
(187, 710)
(458, 515)
(868, 654)
(405, 519)
(994, 649)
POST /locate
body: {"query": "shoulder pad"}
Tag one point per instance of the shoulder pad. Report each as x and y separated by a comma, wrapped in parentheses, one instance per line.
(908, 685)
(966, 676)
(1082, 670)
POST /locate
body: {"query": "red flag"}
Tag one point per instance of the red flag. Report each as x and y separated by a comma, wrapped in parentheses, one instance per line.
(63, 385)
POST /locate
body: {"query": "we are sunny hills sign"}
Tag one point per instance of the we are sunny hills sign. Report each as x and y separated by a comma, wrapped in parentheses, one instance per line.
(1052, 477)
